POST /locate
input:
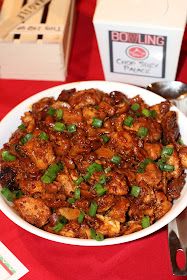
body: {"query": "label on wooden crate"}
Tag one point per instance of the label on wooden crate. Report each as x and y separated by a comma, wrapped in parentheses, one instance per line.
(26, 12)
(40, 28)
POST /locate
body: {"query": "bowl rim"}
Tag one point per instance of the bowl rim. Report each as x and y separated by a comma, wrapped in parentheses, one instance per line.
(54, 91)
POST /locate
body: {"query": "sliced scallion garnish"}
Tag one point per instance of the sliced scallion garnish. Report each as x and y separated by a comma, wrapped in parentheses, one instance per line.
(142, 132)
(51, 173)
(145, 222)
(71, 128)
(135, 106)
(93, 209)
(59, 126)
(116, 159)
(96, 235)
(97, 123)
(128, 121)
(135, 191)
(26, 138)
(7, 156)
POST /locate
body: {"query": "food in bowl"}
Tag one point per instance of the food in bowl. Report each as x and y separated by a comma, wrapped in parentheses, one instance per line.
(93, 165)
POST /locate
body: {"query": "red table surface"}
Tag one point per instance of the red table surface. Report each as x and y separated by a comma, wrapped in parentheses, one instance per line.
(144, 259)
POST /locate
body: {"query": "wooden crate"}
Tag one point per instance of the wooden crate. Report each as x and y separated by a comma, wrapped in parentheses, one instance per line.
(39, 48)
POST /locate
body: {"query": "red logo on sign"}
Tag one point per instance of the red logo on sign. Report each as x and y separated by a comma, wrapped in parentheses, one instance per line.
(137, 52)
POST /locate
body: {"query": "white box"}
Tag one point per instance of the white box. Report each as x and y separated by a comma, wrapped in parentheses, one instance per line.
(140, 40)
(39, 48)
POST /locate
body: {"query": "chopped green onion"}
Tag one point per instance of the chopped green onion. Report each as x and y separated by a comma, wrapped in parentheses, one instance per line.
(96, 235)
(93, 209)
(99, 189)
(135, 191)
(11, 195)
(51, 173)
(22, 126)
(71, 128)
(97, 122)
(103, 179)
(71, 200)
(51, 111)
(26, 138)
(162, 161)
(63, 220)
(79, 181)
(167, 167)
(116, 159)
(18, 193)
(128, 121)
(77, 194)
(58, 227)
(105, 138)
(167, 151)
(58, 126)
(7, 156)
(87, 176)
(94, 167)
(81, 217)
(59, 114)
(7, 194)
(60, 224)
(153, 113)
(43, 136)
(135, 106)
(145, 222)
(146, 112)
(142, 165)
(142, 131)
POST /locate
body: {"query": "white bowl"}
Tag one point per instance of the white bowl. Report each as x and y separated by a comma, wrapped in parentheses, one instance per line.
(11, 121)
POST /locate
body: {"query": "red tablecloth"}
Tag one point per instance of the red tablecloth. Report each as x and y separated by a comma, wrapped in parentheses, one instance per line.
(144, 259)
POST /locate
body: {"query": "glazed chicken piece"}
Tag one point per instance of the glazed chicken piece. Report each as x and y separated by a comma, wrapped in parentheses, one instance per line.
(85, 97)
(153, 128)
(123, 140)
(60, 143)
(30, 187)
(119, 210)
(33, 210)
(152, 175)
(183, 156)
(40, 152)
(153, 150)
(29, 121)
(108, 227)
(72, 117)
(174, 161)
(175, 186)
(71, 229)
(66, 182)
(42, 104)
(89, 113)
(105, 203)
(117, 184)
(161, 110)
(68, 213)
(162, 205)
(132, 226)
(170, 127)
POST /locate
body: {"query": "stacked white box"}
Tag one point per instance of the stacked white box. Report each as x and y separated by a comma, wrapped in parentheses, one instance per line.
(39, 48)
(140, 40)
